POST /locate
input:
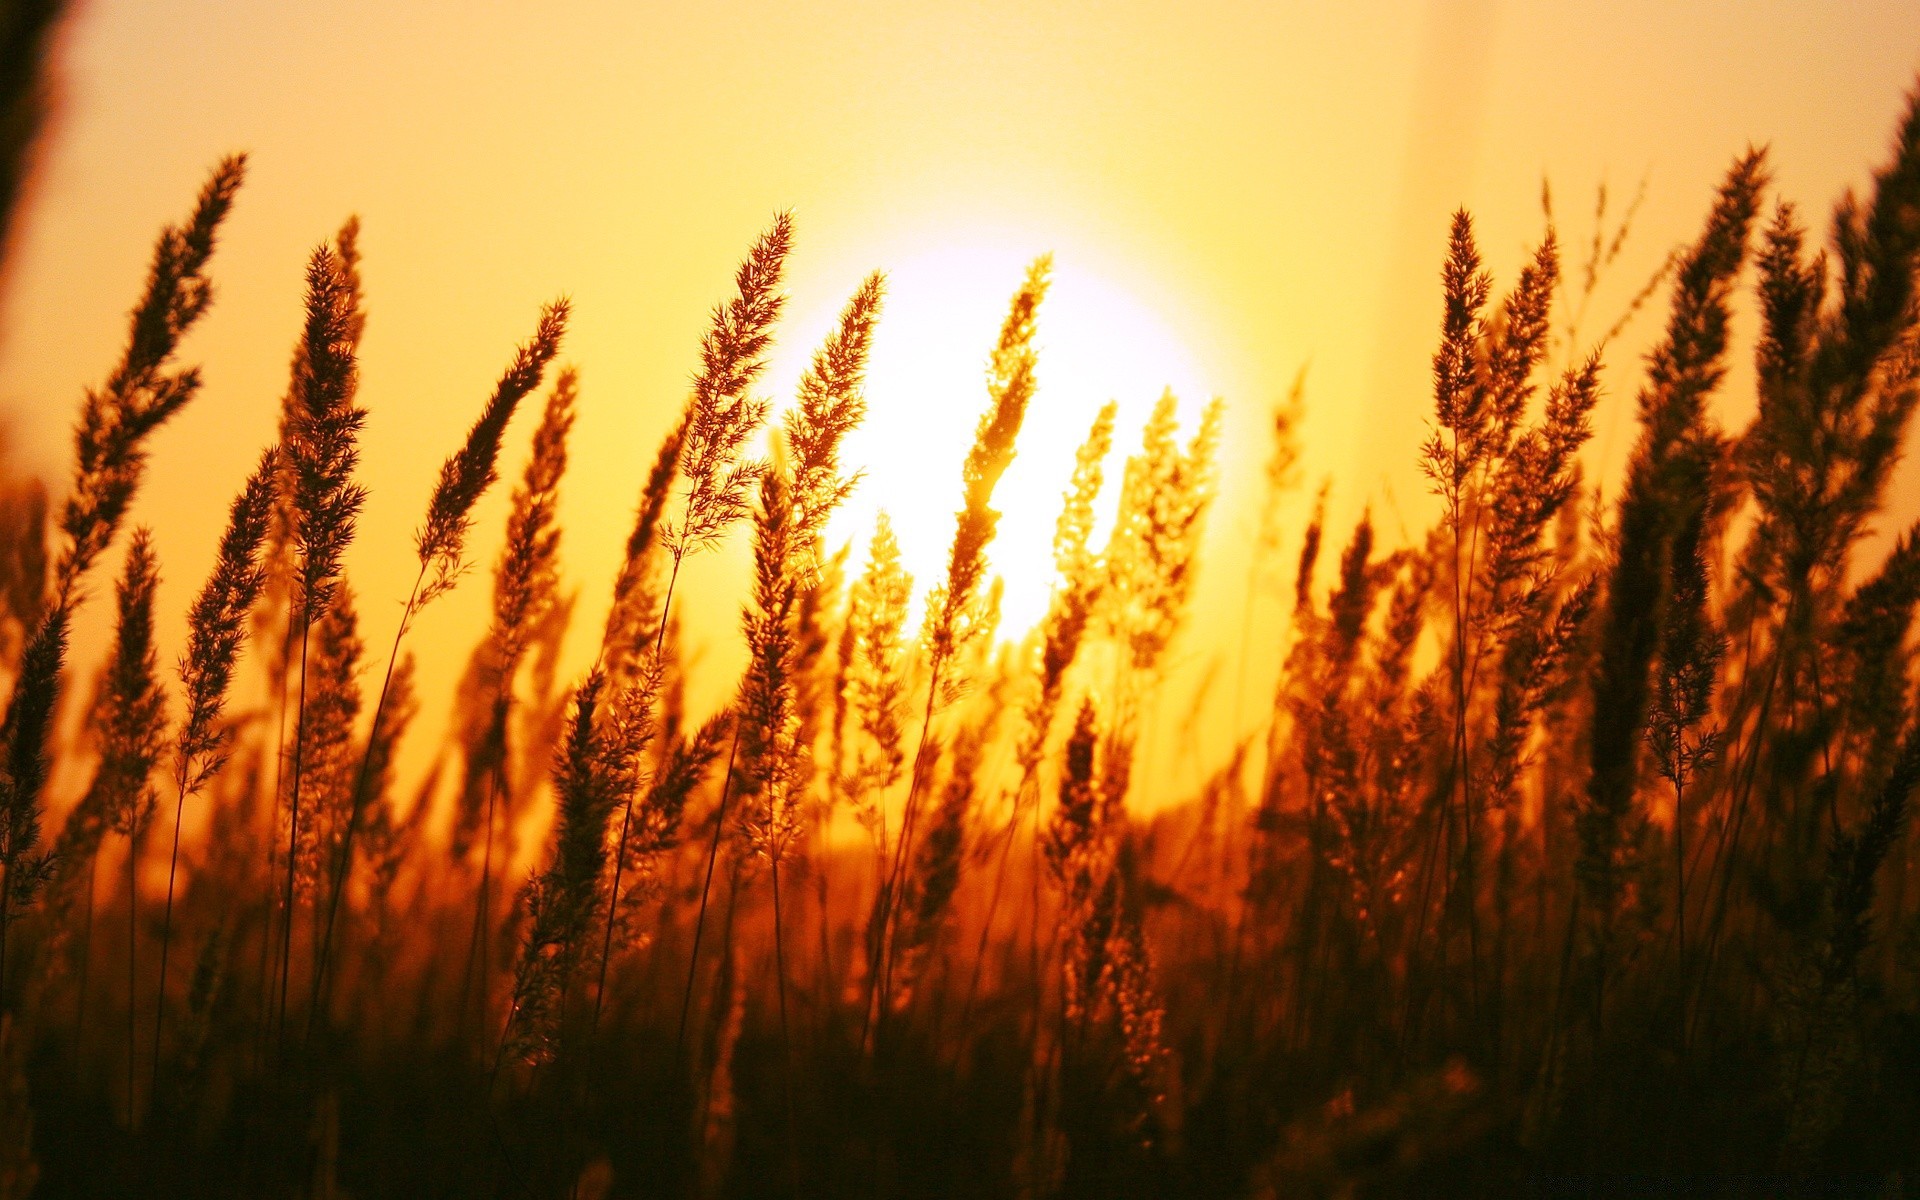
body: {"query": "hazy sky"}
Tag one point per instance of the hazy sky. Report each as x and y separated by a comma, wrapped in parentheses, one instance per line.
(1230, 191)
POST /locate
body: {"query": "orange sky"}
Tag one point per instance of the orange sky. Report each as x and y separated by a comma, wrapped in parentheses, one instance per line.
(1249, 186)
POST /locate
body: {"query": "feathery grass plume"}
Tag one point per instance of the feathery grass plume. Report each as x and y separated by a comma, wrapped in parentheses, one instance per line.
(1831, 411)
(1537, 476)
(526, 585)
(1075, 843)
(470, 471)
(139, 395)
(332, 709)
(1676, 446)
(321, 443)
(769, 751)
(1078, 584)
(526, 579)
(795, 504)
(1480, 464)
(281, 548)
(131, 725)
(954, 616)
(1449, 458)
(1839, 374)
(1164, 497)
(593, 775)
(440, 543)
(131, 719)
(831, 402)
(636, 616)
(798, 493)
(876, 689)
(721, 416)
(216, 626)
(1111, 1054)
(764, 746)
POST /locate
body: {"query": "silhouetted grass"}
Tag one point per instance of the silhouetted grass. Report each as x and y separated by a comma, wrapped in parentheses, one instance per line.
(1573, 852)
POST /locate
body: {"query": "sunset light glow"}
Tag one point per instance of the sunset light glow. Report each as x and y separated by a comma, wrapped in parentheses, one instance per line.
(996, 599)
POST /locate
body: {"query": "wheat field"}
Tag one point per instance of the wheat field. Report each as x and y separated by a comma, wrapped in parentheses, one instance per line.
(1571, 855)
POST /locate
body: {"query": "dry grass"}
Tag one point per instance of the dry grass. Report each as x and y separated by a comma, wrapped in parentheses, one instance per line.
(1578, 849)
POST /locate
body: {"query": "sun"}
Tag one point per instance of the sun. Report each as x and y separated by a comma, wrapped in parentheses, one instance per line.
(926, 390)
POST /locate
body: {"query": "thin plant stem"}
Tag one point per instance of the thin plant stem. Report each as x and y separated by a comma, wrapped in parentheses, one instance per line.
(293, 840)
(706, 887)
(343, 858)
(133, 946)
(626, 822)
(786, 1032)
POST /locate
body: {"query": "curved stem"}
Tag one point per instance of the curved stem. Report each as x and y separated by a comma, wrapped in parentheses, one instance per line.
(476, 944)
(293, 836)
(786, 1033)
(166, 927)
(133, 946)
(626, 818)
(343, 858)
(700, 920)
(880, 972)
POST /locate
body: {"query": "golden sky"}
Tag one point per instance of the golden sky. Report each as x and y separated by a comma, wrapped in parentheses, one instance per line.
(1230, 191)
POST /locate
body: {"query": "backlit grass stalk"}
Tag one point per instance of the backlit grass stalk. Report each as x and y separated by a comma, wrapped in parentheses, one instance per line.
(139, 395)
(322, 448)
(1078, 584)
(441, 546)
(526, 583)
(131, 723)
(796, 498)
(216, 629)
(1676, 445)
(953, 609)
(721, 418)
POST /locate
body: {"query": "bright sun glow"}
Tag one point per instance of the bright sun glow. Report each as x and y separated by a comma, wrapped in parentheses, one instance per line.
(926, 391)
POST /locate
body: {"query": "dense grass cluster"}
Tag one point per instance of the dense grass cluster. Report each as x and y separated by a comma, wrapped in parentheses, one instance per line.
(1571, 856)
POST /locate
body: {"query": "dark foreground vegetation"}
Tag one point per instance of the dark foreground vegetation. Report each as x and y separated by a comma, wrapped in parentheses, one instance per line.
(1572, 855)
